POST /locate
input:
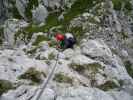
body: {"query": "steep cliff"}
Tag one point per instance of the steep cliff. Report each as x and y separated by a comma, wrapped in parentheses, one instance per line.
(99, 67)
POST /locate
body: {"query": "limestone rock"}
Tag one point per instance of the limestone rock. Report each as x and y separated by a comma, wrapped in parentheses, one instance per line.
(121, 95)
(40, 14)
(82, 93)
(11, 26)
(96, 48)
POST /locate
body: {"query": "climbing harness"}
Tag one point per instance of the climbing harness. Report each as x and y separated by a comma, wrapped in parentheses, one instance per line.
(48, 79)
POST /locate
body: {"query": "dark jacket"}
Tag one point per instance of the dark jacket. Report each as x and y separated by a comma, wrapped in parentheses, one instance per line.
(69, 42)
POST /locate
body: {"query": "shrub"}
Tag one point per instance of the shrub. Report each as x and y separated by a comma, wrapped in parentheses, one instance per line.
(51, 56)
(5, 86)
(118, 4)
(33, 75)
(31, 4)
(62, 78)
(1, 35)
(89, 71)
(94, 67)
(108, 85)
(129, 67)
(39, 39)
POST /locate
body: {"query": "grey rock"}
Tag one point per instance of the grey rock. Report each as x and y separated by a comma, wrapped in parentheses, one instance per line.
(96, 48)
(40, 14)
(83, 93)
(21, 7)
(120, 95)
(11, 26)
(68, 53)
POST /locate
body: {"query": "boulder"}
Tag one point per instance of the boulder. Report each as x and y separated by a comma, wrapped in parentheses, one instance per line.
(96, 48)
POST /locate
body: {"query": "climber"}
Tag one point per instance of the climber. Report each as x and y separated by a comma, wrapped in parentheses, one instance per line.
(65, 41)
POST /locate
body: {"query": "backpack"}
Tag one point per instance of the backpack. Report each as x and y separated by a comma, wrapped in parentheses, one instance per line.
(69, 42)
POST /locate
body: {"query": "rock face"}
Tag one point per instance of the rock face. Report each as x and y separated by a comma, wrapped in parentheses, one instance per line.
(40, 14)
(35, 10)
(17, 61)
(10, 28)
(77, 70)
(21, 5)
(4, 14)
(82, 93)
(96, 48)
(121, 95)
(98, 67)
(100, 51)
(31, 91)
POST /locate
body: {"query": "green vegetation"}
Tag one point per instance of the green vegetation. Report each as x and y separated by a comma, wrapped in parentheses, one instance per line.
(33, 75)
(108, 85)
(1, 35)
(16, 13)
(51, 56)
(5, 86)
(39, 39)
(94, 67)
(31, 4)
(129, 67)
(77, 8)
(119, 3)
(47, 62)
(52, 20)
(78, 68)
(124, 35)
(62, 78)
(14, 10)
(32, 51)
(25, 34)
(121, 82)
(78, 32)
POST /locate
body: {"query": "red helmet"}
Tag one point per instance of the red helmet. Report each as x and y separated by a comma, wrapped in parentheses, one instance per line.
(59, 37)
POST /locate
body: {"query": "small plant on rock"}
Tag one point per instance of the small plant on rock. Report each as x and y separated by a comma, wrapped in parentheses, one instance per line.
(108, 85)
(129, 67)
(51, 56)
(61, 78)
(33, 75)
(88, 70)
(5, 86)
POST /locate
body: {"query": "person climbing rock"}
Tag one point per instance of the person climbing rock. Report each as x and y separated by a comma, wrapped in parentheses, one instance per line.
(65, 41)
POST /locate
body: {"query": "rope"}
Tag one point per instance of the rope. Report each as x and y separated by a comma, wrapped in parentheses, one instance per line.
(47, 80)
